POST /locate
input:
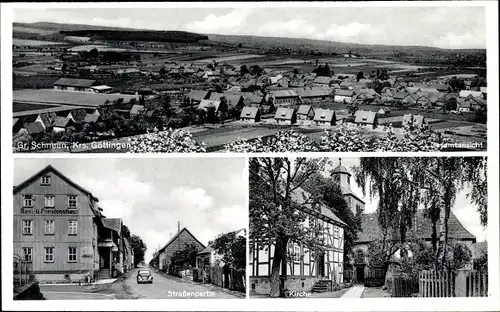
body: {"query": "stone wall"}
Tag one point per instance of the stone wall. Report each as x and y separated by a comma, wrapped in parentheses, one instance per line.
(262, 285)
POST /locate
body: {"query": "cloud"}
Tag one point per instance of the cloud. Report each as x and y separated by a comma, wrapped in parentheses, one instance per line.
(227, 23)
(461, 41)
(292, 28)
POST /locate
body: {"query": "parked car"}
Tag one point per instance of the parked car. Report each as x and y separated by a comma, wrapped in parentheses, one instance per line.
(144, 276)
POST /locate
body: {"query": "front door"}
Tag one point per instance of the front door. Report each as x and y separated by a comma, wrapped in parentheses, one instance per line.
(360, 274)
(321, 265)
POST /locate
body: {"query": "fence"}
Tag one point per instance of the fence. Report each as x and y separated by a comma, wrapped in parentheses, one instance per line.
(23, 271)
(404, 287)
(472, 284)
(224, 278)
(436, 284)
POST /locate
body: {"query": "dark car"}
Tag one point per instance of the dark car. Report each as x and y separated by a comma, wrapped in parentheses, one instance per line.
(144, 276)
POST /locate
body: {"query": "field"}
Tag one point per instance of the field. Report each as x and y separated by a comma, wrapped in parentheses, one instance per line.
(66, 97)
(34, 43)
(229, 58)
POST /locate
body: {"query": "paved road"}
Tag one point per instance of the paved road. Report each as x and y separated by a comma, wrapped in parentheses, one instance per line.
(169, 287)
(73, 292)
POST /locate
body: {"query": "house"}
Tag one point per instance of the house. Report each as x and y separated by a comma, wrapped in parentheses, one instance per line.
(253, 99)
(399, 96)
(56, 224)
(110, 245)
(421, 229)
(102, 89)
(127, 72)
(177, 242)
(92, 118)
(305, 112)
(62, 124)
(324, 117)
(284, 97)
(233, 98)
(469, 93)
(208, 256)
(34, 128)
(343, 96)
(366, 96)
(77, 115)
(137, 110)
(206, 104)
(46, 119)
(313, 94)
(463, 105)
(285, 116)
(416, 120)
(74, 84)
(274, 79)
(250, 114)
(366, 118)
(322, 80)
(306, 267)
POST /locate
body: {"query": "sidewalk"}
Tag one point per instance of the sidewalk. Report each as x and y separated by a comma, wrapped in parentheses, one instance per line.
(354, 292)
(98, 282)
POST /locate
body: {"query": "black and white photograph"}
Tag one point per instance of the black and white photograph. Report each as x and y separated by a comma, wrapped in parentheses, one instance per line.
(368, 227)
(249, 79)
(92, 229)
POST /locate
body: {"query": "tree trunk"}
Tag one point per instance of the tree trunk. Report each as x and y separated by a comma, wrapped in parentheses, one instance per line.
(279, 253)
(434, 235)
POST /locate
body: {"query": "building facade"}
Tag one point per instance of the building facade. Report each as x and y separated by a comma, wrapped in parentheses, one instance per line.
(176, 243)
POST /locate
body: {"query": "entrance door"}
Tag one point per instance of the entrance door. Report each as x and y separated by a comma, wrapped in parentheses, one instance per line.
(321, 265)
(360, 273)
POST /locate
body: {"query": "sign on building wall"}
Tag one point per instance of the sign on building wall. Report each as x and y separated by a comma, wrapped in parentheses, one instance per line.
(45, 211)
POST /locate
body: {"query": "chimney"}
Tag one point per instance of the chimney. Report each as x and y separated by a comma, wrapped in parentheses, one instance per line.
(178, 226)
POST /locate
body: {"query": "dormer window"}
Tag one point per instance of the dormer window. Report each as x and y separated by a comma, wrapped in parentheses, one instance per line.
(46, 180)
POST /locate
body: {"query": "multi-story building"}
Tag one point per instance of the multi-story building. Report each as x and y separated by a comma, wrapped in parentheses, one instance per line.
(59, 227)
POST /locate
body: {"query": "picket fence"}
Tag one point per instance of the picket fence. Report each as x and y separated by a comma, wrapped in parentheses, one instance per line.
(404, 287)
(476, 284)
(232, 279)
(436, 284)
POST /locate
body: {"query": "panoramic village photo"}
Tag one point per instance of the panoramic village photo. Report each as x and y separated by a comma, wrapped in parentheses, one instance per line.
(91, 229)
(368, 227)
(249, 79)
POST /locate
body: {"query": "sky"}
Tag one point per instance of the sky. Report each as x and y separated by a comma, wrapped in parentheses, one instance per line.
(444, 27)
(207, 196)
(464, 210)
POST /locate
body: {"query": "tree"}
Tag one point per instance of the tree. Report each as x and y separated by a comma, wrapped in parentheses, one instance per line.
(93, 53)
(360, 76)
(281, 142)
(139, 249)
(223, 107)
(169, 141)
(162, 72)
(275, 196)
(244, 70)
(232, 248)
(183, 259)
(402, 183)
(451, 104)
(352, 107)
(125, 231)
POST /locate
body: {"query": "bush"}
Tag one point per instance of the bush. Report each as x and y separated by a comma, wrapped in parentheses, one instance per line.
(170, 141)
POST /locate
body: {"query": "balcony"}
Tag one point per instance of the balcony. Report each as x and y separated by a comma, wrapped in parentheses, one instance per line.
(107, 242)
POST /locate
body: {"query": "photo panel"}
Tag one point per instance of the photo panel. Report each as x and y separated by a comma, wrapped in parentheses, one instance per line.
(368, 227)
(92, 229)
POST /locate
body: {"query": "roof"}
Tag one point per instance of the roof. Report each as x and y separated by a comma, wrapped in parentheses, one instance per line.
(249, 112)
(114, 224)
(284, 93)
(366, 117)
(34, 127)
(252, 97)
(284, 113)
(78, 114)
(231, 97)
(321, 114)
(197, 94)
(304, 109)
(81, 99)
(53, 109)
(344, 92)
(102, 87)
(205, 104)
(61, 122)
(312, 92)
(422, 227)
(137, 109)
(466, 93)
(47, 119)
(400, 95)
(74, 82)
(91, 118)
(298, 197)
(175, 236)
(340, 169)
(322, 79)
(49, 168)
(14, 121)
(206, 250)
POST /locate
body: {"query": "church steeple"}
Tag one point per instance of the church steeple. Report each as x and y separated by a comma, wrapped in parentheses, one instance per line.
(342, 176)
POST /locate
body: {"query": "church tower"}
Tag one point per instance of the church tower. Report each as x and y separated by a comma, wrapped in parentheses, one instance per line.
(342, 176)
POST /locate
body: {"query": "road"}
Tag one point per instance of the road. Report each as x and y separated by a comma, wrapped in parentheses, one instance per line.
(170, 287)
(163, 287)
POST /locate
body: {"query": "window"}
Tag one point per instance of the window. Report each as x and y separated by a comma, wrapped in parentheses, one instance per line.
(49, 227)
(46, 180)
(72, 227)
(28, 227)
(27, 200)
(28, 254)
(49, 201)
(72, 202)
(49, 254)
(71, 254)
(335, 231)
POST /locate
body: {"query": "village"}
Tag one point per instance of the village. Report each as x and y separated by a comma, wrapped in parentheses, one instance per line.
(66, 248)
(116, 91)
(345, 246)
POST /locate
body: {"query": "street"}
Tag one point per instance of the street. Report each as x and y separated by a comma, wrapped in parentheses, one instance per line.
(163, 287)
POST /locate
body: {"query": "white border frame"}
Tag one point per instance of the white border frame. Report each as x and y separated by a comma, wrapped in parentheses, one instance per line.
(366, 304)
